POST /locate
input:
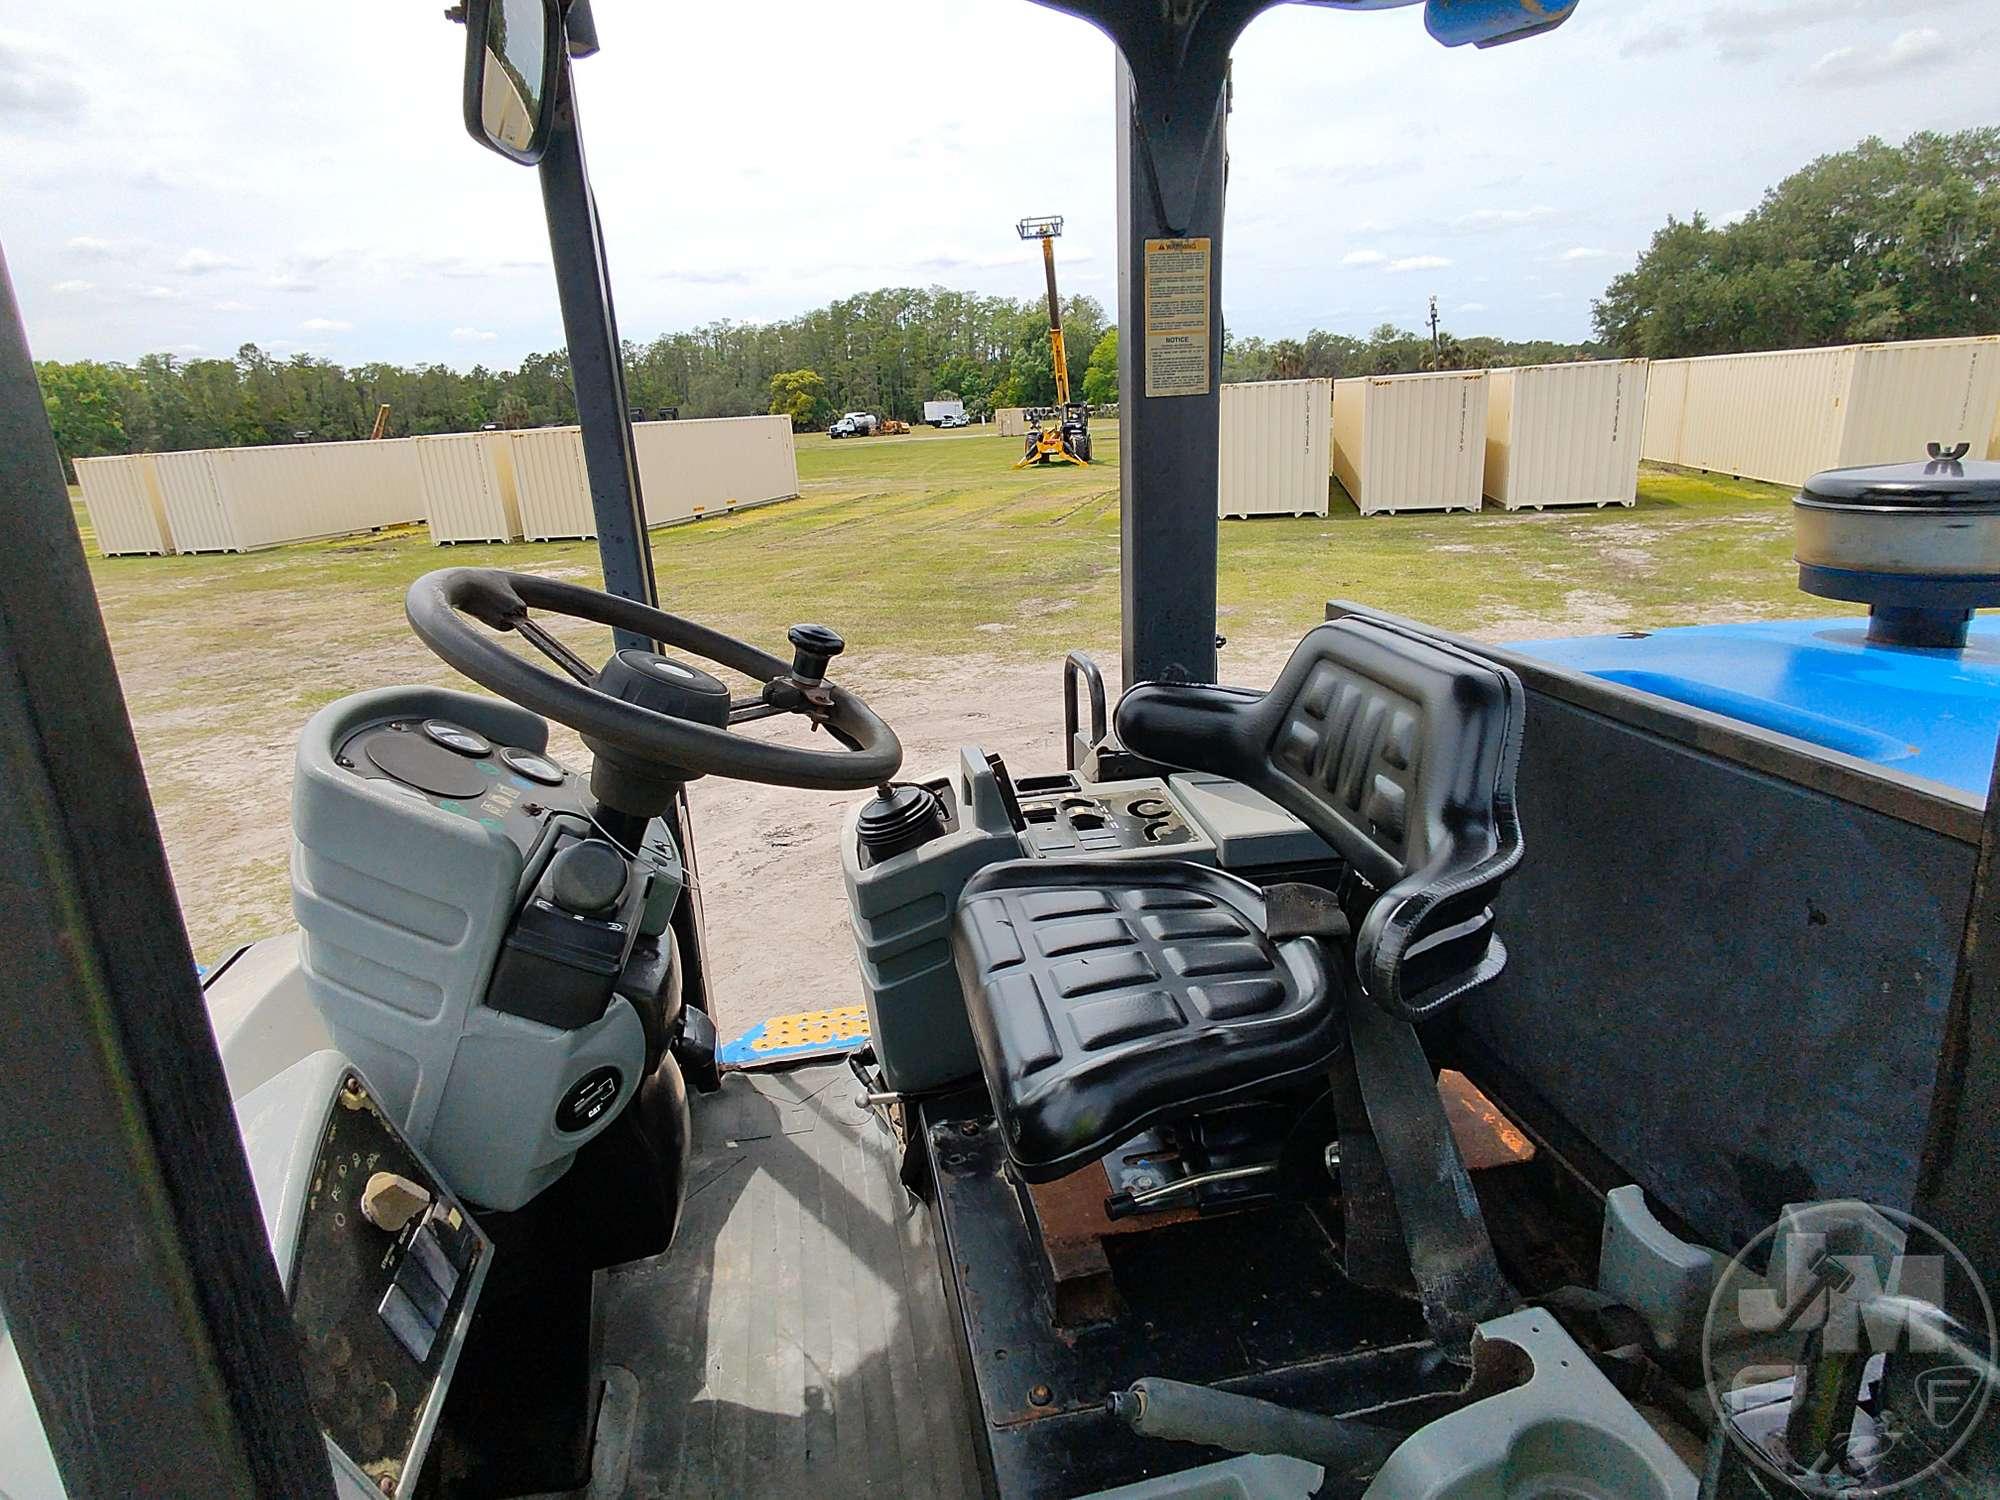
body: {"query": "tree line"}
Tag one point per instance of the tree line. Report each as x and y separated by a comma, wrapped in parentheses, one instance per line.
(1880, 242)
(886, 351)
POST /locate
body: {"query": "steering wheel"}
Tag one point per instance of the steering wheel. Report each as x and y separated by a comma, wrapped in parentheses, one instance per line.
(599, 704)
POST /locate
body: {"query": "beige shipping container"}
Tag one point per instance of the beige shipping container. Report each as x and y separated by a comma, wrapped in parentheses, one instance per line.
(243, 499)
(197, 517)
(1010, 421)
(1411, 442)
(122, 495)
(551, 484)
(1906, 396)
(1785, 415)
(1276, 448)
(1776, 416)
(469, 494)
(1565, 434)
(1666, 406)
(707, 466)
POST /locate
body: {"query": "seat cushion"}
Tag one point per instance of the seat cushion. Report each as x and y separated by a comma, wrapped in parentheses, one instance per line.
(1107, 996)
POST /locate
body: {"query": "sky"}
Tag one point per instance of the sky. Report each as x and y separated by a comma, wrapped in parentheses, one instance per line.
(194, 176)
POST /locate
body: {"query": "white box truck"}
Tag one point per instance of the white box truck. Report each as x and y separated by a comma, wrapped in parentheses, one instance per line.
(944, 413)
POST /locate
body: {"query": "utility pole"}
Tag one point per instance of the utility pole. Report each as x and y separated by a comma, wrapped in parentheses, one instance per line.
(1437, 345)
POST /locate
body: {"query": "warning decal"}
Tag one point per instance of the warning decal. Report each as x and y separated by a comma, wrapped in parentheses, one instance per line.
(1177, 321)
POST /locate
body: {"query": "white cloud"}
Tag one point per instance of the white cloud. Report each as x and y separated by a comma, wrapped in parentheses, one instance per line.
(474, 335)
(37, 86)
(326, 325)
(72, 287)
(157, 293)
(233, 306)
(199, 262)
(1471, 307)
(1652, 43)
(1363, 258)
(286, 282)
(1481, 220)
(1420, 263)
(1552, 296)
(1909, 52)
(1585, 252)
(97, 247)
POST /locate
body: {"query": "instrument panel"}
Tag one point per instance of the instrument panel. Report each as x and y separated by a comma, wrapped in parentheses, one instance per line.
(386, 1271)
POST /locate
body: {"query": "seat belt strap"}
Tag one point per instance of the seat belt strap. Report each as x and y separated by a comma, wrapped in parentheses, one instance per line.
(1444, 1233)
(1372, 1249)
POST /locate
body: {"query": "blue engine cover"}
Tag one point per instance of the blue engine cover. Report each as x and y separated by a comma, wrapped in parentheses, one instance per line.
(1933, 713)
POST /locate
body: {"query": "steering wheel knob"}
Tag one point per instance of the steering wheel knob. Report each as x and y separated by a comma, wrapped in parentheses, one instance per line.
(813, 649)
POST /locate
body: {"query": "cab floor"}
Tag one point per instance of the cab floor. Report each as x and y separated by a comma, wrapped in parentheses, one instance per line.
(795, 1339)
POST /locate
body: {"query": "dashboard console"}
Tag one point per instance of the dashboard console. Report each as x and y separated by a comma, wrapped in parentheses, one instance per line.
(464, 928)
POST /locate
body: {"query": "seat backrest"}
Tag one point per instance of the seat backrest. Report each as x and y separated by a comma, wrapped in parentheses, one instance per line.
(1399, 750)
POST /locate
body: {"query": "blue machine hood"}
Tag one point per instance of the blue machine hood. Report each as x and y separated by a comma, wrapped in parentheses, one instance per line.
(1932, 713)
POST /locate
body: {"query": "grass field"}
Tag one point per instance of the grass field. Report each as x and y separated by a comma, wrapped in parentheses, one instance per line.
(952, 577)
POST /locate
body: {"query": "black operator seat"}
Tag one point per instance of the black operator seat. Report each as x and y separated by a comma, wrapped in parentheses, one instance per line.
(1107, 997)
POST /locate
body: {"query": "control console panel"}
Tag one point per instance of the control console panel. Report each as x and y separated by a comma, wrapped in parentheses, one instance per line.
(1066, 819)
(465, 926)
(384, 1275)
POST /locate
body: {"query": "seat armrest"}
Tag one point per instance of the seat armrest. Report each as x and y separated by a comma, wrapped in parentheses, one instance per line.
(1195, 727)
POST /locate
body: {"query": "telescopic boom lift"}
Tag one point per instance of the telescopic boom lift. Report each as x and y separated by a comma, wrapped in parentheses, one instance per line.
(1062, 435)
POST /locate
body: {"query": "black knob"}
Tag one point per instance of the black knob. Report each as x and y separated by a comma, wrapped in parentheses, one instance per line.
(813, 647)
(586, 879)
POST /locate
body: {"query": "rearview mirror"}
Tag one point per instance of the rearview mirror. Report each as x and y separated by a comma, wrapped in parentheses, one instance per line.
(512, 51)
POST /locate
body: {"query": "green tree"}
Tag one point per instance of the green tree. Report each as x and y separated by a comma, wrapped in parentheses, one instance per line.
(800, 395)
(86, 407)
(1878, 242)
(1100, 376)
(512, 411)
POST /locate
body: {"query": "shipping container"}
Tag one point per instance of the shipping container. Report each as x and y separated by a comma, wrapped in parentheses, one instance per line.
(242, 499)
(1666, 406)
(197, 518)
(717, 464)
(127, 515)
(1565, 434)
(1411, 442)
(469, 494)
(1276, 448)
(1906, 396)
(1775, 416)
(1788, 414)
(551, 484)
(1011, 421)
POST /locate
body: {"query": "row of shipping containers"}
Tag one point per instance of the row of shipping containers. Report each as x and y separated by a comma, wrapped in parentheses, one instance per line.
(242, 499)
(1529, 438)
(1785, 415)
(468, 487)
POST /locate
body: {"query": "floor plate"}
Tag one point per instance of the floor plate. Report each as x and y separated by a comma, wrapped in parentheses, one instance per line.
(795, 1341)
